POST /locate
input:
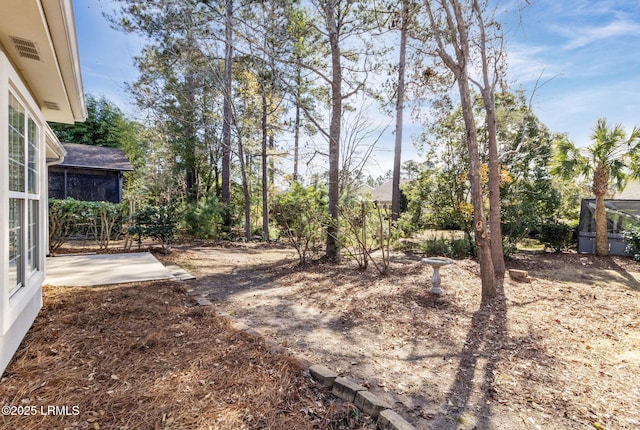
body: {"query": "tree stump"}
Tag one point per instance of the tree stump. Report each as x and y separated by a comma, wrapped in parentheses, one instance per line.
(519, 275)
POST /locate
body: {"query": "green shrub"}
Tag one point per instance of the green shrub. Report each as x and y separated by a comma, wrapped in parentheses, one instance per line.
(101, 221)
(301, 216)
(105, 221)
(64, 221)
(204, 219)
(632, 236)
(555, 235)
(509, 248)
(231, 218)
(156, 222)
(452, 248)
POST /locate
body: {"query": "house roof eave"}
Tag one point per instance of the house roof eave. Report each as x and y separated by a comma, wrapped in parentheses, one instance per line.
(61, 22)
(80, 166)
(96, 158)
(39, 37)
(55, 152)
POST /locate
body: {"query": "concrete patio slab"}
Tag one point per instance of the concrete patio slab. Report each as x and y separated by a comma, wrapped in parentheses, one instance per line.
(179, 272)
(104, 269)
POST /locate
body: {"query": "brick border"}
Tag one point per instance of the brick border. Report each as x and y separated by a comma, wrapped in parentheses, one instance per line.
(343, 388)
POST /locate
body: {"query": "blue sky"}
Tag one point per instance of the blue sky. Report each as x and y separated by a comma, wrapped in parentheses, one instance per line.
(590, 49)
(106, 55)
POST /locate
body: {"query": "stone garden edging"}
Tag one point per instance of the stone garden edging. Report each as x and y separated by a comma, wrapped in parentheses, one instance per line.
(343, 388)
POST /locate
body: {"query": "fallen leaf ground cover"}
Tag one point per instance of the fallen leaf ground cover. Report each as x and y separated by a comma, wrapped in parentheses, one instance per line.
(143, 356)
(561, 351)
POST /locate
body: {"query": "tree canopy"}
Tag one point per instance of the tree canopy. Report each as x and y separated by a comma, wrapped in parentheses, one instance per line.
(244, 102)
(610, 160)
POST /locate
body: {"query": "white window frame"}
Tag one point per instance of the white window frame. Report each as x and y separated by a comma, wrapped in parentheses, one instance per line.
(12, 303)
(28, 267)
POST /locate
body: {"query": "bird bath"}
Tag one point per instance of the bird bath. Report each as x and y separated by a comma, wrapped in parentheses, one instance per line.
(436, 263)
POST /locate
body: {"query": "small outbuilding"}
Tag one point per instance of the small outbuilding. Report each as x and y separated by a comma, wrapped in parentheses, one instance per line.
(89, 173)
(621, 214)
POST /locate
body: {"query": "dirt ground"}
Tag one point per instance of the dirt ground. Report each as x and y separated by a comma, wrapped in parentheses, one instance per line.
(559, 352)
(144, 356)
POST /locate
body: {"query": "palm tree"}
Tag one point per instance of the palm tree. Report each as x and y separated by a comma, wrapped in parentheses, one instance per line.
(611, 160)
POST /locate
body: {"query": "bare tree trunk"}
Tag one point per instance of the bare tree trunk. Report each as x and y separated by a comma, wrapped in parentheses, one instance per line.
(265, 179)
(216, 181)
(334, 129)
(296, 131)
(487, 90)
(272, 163)
(487, 273)
(190, 137)
(495, 219)
(457, 36)
(245, 190)
(226, 122)
(599, 188)
(397, 157)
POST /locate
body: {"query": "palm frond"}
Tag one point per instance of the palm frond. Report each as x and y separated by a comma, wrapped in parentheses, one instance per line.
(618, 174)
(608, 143)
(567, 161)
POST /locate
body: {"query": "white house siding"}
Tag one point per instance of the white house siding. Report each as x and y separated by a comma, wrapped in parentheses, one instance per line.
(40, 72)
(19, 308)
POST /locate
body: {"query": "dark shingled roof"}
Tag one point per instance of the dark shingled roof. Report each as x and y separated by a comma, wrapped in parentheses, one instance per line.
(95, 157)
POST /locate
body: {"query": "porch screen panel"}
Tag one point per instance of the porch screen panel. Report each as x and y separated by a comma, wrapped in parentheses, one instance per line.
(56, 184)
(93, 186)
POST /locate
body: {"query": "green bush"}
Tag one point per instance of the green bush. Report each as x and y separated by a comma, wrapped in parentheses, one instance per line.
(632, 236)
(204, 219)
(105, 221)
(231, 218)
(509, 247)
(301, 216)
(64, 221)
(452, 248)
(101, 221)
(156, 222)
(555, 235)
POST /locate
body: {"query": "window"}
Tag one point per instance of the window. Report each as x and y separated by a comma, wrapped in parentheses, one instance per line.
(32, 240)
(24, 200)
(15, 244)
(16, 145)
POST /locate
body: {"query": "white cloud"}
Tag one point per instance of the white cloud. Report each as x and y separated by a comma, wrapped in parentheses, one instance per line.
(574, 109)
(583, 36)
(527, 63)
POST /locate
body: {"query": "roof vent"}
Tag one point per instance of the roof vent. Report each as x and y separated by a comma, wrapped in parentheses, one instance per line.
(26, 48)
(51, 105)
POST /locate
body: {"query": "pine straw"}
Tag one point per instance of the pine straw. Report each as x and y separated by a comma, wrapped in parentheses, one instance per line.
(144, 357)
(561, 352)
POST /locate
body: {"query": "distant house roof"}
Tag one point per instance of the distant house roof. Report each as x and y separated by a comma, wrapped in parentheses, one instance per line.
(384, 192)
(95, 157)
(364, 189)
(631, 191)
